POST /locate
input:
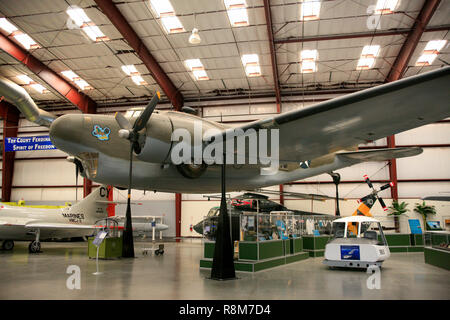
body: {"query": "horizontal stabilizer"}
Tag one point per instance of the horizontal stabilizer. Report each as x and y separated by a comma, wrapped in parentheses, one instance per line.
(380, 154)
(118, 202)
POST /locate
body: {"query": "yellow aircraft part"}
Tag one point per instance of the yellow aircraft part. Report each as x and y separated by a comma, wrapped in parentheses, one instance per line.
(362, 210)
(22, 204)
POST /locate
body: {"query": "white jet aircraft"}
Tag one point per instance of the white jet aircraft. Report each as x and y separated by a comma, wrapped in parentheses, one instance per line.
(35, 223)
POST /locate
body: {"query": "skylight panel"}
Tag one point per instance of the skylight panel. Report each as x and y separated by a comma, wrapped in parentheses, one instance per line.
(85, 23)
(169, 20)
(308, 66)
(251, 64)
(431, 51)
(365, 63)
(308, 61)
(39, 88)
(25, 78)
(172, 24)
(250, 59)
(238, 17)
(370, 51)
(78, 15)
(82, 84)
(309, 10)
(7, 26)
(94, 33)
(309, 55)
(130, 70)
(426, 59)
(253, 70)
(200, 75)
(70, 75)
(368, 55)
(26, 41)
(194, 64)
(385, 6)
(237, 12)
(197, 68)
(434, 46)
(233, 4)
(33, 84)
(138, 80)
(163, 8)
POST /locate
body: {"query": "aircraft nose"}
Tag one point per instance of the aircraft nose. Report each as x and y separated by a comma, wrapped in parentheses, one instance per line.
(65, 132)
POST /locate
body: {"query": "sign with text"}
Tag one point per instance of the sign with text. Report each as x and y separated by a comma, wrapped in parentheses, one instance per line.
(28, 143)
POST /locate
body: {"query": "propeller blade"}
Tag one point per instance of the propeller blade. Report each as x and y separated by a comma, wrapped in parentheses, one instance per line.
(366, 178)
(122, 121)
(76, 182)
(382, 204)
(145, 115)
(386, 186)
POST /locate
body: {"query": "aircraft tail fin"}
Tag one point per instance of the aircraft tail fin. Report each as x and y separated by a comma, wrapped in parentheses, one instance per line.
(93, 207)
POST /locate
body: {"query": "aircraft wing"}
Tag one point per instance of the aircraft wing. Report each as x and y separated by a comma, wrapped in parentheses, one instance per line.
(67, 226)
(360, 117)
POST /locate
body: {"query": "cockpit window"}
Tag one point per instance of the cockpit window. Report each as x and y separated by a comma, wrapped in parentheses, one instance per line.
(213, 212)
(339, 229)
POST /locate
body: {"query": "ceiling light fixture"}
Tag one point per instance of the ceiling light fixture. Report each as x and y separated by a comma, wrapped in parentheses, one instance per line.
(195, 37)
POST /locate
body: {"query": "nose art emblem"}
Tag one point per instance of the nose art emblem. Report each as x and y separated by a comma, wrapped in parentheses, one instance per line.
(101, 134)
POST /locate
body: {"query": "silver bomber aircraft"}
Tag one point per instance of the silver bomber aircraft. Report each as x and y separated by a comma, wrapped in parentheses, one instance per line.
(312, 140)
(35, 223)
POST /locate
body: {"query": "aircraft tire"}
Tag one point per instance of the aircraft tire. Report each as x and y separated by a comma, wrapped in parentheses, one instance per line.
(8, 245)
(34, 247)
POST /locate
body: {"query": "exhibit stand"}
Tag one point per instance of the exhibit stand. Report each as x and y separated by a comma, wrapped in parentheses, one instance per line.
(402, 233)
(316, 234)
(267, 240)
(437, 250)
(111, 246)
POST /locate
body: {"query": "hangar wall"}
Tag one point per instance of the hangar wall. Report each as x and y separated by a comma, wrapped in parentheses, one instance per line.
(46, 177)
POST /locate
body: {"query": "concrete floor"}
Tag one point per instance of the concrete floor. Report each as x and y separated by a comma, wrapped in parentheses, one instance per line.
(176, 275)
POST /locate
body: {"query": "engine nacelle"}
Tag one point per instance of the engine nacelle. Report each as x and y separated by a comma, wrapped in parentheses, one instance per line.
(192, 171)
(157, 140)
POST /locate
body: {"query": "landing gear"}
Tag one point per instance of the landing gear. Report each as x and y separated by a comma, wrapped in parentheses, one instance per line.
(7, 245)
(35, 246)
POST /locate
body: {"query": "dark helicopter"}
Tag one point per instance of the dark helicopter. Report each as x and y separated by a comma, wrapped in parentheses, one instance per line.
(246, 202)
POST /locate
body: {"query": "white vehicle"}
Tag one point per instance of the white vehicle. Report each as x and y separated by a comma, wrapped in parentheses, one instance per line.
(358, 242)
(34, 223)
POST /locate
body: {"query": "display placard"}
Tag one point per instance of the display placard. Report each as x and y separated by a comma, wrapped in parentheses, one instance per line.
(350, 253)
(414, 225)
(32, 143)
(99, 238)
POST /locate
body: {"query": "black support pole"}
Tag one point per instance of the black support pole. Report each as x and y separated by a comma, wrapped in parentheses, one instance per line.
(223, 261)
(128, 243)
(336, 179)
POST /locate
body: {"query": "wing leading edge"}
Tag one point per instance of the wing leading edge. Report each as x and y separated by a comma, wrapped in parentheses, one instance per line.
(367, 115)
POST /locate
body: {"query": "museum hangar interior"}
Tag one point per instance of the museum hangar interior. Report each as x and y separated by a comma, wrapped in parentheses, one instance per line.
(358, 91)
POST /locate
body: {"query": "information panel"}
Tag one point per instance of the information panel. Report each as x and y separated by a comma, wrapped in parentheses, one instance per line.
(28, 143)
